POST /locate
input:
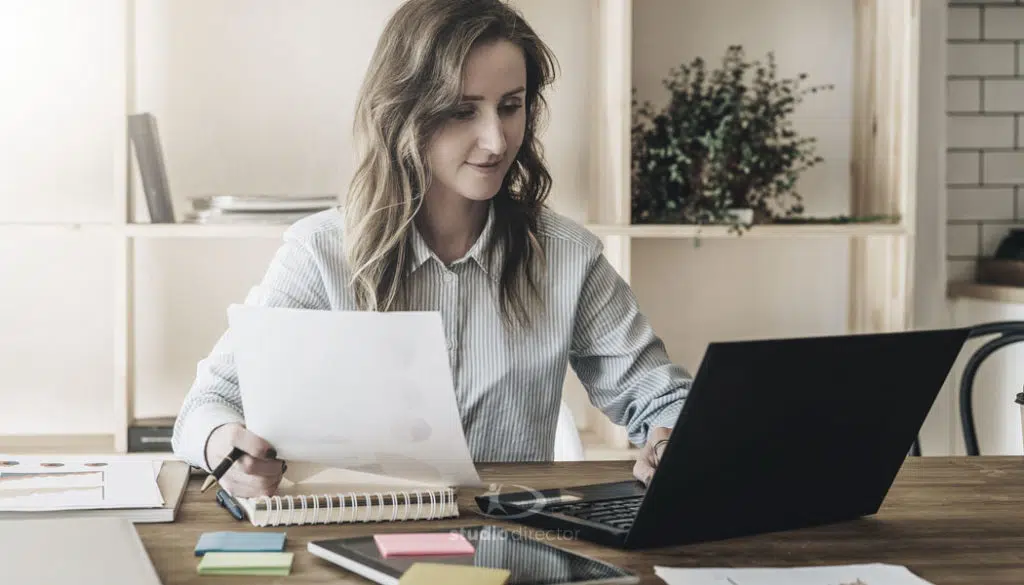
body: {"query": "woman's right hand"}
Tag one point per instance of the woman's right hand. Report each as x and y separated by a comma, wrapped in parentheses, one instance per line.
(256, 474)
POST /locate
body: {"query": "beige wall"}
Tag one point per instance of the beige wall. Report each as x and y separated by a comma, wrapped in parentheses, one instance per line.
(61, 93)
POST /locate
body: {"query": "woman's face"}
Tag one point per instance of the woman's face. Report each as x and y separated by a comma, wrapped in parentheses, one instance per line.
(470, 153)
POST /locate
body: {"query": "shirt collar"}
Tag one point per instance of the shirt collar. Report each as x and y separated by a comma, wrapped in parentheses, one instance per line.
(421, 252)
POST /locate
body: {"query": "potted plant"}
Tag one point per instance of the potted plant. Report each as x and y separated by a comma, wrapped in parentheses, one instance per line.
(723, 149)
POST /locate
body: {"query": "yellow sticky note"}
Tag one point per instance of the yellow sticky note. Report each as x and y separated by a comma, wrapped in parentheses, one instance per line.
(246, 563)
(434, 573)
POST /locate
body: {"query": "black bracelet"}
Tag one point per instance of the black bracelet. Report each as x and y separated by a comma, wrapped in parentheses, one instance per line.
(656, 445)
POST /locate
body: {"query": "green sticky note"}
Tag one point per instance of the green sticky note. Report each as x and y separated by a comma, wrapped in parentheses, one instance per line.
(246, 563)
(434, 573)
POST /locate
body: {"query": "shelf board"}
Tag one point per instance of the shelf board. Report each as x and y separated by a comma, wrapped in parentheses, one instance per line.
(55, 228)
(758, 231)
(985, 292)
(67, 444)
(191, 230)
(72, 445)
(276, 231)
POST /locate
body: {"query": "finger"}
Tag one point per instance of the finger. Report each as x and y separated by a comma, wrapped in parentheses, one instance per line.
(273, 487)
(249, 486)
(262, 467)
(254, 445)
(659, 451)
(241, 490)
(642, 470)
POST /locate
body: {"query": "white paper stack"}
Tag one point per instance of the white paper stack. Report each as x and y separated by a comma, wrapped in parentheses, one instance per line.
(134, 488)
(235, 209)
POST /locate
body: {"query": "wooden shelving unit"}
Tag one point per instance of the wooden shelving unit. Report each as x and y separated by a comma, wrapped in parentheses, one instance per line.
(882, 182)
(986, 292)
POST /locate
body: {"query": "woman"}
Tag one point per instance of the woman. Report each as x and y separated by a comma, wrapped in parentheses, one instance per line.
(446, 213)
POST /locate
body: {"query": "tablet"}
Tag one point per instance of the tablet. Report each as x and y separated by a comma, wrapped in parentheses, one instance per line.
(531, 561)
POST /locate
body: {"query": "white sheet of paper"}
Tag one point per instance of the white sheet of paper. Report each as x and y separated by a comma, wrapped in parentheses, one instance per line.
(866, 574)
(352, 389)
(47, 483)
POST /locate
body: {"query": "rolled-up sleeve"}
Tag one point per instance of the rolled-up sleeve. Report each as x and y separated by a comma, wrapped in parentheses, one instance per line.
(294, 280)
(620, 360)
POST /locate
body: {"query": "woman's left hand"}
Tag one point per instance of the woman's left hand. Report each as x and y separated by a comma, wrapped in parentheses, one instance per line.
(650, 456)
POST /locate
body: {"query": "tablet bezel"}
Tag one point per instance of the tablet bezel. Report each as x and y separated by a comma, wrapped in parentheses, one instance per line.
(370, 568)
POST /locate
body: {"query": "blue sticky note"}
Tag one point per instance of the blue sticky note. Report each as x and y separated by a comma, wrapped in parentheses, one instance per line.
(240, 542)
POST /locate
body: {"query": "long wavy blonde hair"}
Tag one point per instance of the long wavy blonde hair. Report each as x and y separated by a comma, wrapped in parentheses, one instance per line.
(412, 86)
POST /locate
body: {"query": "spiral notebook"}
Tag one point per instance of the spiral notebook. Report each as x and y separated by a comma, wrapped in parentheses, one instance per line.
(315, 495)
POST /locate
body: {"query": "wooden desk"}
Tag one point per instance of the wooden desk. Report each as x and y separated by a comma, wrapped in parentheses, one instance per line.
(950, 520)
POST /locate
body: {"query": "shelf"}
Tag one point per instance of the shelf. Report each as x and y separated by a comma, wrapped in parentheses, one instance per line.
(758, 231)
(985, 292)
(55, 228)
(188, 230)
(67, 444)
(275, 231)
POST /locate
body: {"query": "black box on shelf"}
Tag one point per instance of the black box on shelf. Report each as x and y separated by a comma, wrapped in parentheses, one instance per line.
(151, 435)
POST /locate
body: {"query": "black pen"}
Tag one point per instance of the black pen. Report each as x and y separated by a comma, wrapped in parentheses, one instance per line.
(230, 504)
(222, 468)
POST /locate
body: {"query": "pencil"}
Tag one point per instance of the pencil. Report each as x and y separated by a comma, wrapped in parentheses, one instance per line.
(222, 468)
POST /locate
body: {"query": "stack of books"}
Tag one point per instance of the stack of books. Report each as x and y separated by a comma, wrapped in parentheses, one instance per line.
(236, 209)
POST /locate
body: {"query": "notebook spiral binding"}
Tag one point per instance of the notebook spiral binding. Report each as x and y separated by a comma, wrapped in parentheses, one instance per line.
(332, 508)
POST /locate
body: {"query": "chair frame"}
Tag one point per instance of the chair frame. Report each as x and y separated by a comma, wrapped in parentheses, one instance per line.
(1009, 332)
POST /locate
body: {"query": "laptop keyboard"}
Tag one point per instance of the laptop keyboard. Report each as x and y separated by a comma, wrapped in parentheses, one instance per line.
(618, 513)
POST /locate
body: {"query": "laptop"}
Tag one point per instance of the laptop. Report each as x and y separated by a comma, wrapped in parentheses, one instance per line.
(774, 435)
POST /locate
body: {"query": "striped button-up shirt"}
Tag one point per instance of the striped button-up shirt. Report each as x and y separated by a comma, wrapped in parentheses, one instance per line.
(508, 381)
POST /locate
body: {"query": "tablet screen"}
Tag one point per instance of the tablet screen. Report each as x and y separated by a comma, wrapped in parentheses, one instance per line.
(531, 561)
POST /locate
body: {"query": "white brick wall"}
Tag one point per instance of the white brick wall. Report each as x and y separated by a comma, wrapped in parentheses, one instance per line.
(963, 95)
(980, 131)
(965, 22)
(1002, 95)
(1004, 22)
(971, 59)
(1003, 168)
(985, 117)
(963, 168)
(981, 204)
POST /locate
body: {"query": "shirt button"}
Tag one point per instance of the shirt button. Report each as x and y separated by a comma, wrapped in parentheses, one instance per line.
(449, 277)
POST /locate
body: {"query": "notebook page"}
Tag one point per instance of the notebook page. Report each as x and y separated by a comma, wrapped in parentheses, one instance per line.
(302, 481)
(353, 389)
(866, 574)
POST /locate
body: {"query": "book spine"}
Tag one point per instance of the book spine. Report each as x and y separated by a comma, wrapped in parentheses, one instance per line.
(145, 137)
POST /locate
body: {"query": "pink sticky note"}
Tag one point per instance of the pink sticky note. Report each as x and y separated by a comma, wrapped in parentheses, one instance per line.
(429, 543)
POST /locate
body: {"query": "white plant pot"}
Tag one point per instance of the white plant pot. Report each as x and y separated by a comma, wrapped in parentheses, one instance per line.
(743, 215)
